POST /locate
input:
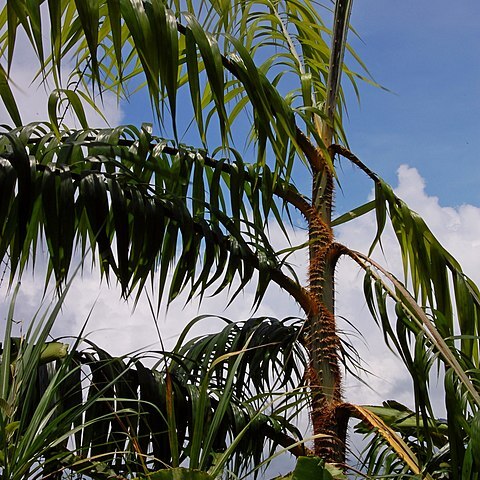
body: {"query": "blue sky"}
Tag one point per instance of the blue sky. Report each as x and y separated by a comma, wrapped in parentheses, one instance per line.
(427, 54)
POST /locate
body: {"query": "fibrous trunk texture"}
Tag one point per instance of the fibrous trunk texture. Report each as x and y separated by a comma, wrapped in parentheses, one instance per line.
(322, 339)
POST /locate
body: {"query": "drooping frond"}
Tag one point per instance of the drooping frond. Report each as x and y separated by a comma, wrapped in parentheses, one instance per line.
(218, 50)
(402, 424)
(431, 319)
(144, 205)
(434, 277)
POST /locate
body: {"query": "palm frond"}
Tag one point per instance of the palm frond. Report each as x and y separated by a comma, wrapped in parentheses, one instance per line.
(274, 358)
(88, 412)
(116, 42)
(433, 326)
(124, 190)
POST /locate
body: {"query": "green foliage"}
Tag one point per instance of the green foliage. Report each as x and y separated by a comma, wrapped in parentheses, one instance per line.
(313, 467)
(40, 409)
(87, 412)
(180, 474)
(124, 186)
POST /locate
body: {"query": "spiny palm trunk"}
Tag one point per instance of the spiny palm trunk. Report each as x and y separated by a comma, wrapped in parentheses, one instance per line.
(322, 340)
(329, 416)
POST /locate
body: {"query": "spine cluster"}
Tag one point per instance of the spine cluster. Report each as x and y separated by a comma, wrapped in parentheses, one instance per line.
(322, 340)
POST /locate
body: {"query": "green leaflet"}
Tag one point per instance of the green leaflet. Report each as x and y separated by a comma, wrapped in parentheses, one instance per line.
(313, 467)
(8, 99)
(179, 474)
(355, 213)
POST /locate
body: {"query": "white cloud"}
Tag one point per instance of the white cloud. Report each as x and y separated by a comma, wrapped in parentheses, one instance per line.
(32, 98)
(458, 229)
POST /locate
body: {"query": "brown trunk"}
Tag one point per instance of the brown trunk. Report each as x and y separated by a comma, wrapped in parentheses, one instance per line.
(330, 419)
(322, 339)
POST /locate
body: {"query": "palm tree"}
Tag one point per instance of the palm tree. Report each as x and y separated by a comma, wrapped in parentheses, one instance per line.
(143, 203)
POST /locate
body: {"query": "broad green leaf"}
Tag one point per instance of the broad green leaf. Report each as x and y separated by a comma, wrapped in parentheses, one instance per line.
(115, 20)
(355, 213)
(179, 474)
(8, 99)
(310, 467)
(88, 15)
(212, 61)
